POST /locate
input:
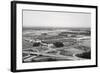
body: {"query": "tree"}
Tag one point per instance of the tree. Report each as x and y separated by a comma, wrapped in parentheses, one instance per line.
(58, 44)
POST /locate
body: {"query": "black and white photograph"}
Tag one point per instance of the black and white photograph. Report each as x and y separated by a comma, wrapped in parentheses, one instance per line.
(48, 36)
(55, 36)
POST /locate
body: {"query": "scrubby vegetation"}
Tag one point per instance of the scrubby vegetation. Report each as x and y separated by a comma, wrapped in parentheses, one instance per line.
(86, 55)
(58, 44)
(36, 44)
(54, 45)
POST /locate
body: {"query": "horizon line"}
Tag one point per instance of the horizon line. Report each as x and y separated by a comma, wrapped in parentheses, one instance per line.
(51, 27)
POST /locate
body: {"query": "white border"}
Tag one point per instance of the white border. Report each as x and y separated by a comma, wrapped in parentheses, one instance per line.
(37, 65)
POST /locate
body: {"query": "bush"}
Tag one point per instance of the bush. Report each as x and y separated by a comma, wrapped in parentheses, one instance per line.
(86, 55)
(36, 44)
(58, 44)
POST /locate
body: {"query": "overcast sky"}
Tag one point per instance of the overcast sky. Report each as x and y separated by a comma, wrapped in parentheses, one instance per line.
(55, 19)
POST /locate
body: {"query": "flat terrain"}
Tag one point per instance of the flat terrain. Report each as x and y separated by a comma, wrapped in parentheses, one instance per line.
(58, 44)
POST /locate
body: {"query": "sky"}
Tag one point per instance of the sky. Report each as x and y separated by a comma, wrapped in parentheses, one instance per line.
(55, 19)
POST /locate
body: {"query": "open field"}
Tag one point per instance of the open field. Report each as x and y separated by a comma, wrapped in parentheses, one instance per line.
(56, 44)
